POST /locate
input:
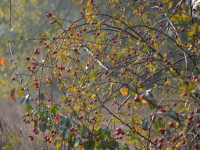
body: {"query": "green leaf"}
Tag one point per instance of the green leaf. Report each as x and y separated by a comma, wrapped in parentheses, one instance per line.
(68, 122)
(170, 113)
(54, 108)
(84, 132)
(133, 140)
(42, 127)
(114, 144)
(73, 114)
(23, 101)
(150, 104)
(103, 132)
(71, 141)
(27, 107)
(144, 124)
(89, 145)
(78, 141)
(42, 96)
(107, 132)
(158, 124)
(102, 146)
(26, 100)
(126, 147)
(64, 134)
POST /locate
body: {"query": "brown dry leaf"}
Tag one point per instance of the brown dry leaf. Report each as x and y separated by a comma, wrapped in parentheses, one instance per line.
(57, 119)
(12, 94)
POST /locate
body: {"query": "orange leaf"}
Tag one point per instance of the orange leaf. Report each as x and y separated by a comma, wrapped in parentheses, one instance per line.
(12, 94)
(169, 148)
(3, 61)
(57, 119)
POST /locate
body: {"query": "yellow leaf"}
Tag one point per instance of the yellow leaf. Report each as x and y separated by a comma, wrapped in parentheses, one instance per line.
(135, 11)
(167, 83)
(1, 13)
(172, 70)
(135, 107)
(170, 4)
(119, 1)
(20, 91)
(124, 91)
(93, 96)
(118, 21)
(164, 57)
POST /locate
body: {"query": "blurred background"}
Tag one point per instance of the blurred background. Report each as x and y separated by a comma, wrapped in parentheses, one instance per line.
(28, 21)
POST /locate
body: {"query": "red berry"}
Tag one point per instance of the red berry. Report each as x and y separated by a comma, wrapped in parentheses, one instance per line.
(155, 140)
(168, 63)
(78, 90)
(161, 140)
(159, 145)
(28, 58)
(49, 15)
(75, 50)
(182, 29)
(128, 55)
(171, 124)
(162, 110)
(183, 142)
(114, 41)
(31, 137)
(198, 125)
(117, 133)
(160, 5)
(84, 29)
(190, 118)
(195, 77)
(37, 51)
(81, 117)
(181, 54)
(170, 52)
(54, 52)
(161, 25)
(118, 129)
(162, 130)
(197, 110)
(174, 139)
(188, 76)
(196, 145)
(137, 98)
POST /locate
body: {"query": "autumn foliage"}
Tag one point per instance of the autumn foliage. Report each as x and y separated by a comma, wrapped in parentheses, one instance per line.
(125, 75)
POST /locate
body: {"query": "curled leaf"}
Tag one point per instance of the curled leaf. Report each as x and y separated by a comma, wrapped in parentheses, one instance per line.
(3, 61)
(57, 119)
(12, 94)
